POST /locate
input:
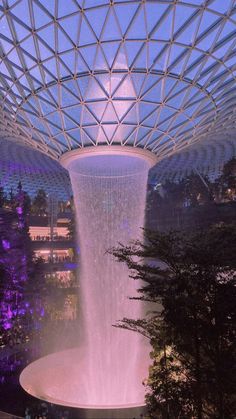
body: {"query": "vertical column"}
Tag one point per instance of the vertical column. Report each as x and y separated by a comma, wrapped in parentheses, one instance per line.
(110, 195)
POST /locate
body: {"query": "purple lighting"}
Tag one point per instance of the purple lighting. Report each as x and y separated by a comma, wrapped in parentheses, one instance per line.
(19, 210)
(7, 325)
(6, 244)
(14, 262)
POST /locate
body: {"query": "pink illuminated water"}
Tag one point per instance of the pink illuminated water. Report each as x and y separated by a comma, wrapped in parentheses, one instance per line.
(110, 193)
(110, 364)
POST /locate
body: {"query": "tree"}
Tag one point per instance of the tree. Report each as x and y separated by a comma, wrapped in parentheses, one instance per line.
(175, 193)
(228, 180)
(40, 203)
(197, 189)
(17, 270)
(191, 279)
(2, 197)
(72, 224)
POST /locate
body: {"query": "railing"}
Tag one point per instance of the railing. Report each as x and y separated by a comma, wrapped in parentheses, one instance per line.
(48, 238)
(60, 259)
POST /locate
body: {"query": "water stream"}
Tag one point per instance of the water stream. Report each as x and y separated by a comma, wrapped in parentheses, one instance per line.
(109, 194)
(108, 367)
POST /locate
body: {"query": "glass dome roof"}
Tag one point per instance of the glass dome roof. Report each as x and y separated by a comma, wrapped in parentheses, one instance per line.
(205, 157)
(153, 74)
(35, 170)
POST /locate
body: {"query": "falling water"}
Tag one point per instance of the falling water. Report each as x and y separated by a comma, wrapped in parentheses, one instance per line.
(109, 193)
(107, 369)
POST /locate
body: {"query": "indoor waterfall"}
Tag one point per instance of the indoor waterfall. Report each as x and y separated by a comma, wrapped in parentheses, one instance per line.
(107, 369)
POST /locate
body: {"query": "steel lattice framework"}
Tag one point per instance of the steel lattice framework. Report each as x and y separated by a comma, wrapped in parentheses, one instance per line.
(153, 74)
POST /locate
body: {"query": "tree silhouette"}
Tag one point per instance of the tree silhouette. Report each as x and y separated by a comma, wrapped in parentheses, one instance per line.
(191, 280)
(39, 206)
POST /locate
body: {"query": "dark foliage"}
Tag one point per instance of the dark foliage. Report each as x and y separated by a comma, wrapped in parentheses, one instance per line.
(39, 206)
(191, 279)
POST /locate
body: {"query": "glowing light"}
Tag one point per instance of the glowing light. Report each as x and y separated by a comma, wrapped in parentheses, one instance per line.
(108, 368)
